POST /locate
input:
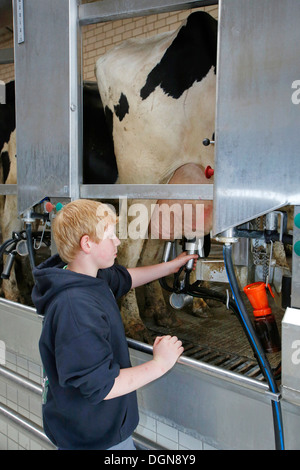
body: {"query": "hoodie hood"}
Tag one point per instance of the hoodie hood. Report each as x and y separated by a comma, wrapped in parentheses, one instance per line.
(50, 279)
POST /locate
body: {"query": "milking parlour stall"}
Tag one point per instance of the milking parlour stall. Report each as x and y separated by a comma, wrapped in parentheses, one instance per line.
(183, 117)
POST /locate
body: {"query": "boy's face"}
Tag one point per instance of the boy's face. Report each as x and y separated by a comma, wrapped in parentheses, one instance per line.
(105, 251)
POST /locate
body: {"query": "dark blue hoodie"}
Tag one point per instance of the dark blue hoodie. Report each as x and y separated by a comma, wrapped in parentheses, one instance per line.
(83, 347)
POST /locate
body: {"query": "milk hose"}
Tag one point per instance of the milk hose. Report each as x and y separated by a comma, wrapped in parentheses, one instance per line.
(197, 291)
(256, 346)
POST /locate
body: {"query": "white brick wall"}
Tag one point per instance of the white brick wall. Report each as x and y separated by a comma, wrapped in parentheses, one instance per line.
(99, 38)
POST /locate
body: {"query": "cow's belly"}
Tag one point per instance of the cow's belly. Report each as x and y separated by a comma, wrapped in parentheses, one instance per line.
(173, 219)
(160, 134)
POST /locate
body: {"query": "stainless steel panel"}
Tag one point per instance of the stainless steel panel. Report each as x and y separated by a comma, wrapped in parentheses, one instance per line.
(107, 10)
(8, 189)
(226, 412)
(20, 329)
(47, 101)
(208, 407)
(147, 191)
(291, 355)
(257, 125)
(222, 408)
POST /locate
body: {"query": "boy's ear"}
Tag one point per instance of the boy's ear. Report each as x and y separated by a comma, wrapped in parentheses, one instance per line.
(85, 243)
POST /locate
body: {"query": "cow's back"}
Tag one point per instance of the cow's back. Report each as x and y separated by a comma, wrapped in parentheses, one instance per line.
(160, 93)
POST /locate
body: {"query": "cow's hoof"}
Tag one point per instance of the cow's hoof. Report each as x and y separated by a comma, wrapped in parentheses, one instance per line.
(162, 317)
(200, 308)
(140, 333)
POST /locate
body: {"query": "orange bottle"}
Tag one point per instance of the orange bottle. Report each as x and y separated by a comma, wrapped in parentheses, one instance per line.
(264, 320)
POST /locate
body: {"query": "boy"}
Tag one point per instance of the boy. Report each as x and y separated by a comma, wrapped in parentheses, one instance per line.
(90, 398)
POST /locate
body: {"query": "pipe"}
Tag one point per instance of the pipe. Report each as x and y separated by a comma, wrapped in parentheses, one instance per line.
(20, 380)
(256, 346)
(25, 423)
(5, 245)
(195, 291)
(214, 371)
(30, 245)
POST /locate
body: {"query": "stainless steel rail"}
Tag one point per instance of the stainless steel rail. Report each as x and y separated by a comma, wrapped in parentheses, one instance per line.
(25, 424)
(8, 189)
(105, 10)
(20, 380)
(148, 191)
(212, 370)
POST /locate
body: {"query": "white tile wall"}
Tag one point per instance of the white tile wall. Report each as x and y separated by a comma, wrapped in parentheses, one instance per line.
(168, 436)
(22, 401)
(28, 404)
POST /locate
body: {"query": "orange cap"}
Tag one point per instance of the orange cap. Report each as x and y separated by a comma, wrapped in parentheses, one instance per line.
(257, 294)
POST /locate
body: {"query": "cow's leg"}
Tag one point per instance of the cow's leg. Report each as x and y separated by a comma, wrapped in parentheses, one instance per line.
(128, 255)
(199, 307)
(155, 304)
(10, 221)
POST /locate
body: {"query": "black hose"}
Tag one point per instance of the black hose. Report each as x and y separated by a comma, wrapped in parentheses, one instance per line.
(4, 246)
(201, 292)
(256, 346)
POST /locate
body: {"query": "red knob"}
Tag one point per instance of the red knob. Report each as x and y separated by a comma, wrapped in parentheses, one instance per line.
(49, 207)
(209, 171)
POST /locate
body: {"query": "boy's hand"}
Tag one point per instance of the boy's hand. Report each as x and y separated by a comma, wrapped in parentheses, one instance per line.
(182, 259)
(166, 351)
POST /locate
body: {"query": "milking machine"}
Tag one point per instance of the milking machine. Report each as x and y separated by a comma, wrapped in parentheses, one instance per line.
(263, 335)
(182, 291)
(24, 242)
(255, 174)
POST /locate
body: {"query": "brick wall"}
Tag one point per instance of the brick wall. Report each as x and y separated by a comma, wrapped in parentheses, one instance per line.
(99, 38)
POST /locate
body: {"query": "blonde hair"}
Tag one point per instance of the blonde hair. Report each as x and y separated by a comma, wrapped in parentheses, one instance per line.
(78, 218)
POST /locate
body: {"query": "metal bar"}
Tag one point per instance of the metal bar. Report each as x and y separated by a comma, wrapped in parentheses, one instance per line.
(142, 443)
(20, 307)
(147, 191)
(106, 10)
(24, 382)
(209, 369)
(25, 424)
(8, 189)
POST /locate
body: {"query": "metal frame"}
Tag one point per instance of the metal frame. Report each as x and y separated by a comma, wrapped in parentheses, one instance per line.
(108, 10)
(68, 183)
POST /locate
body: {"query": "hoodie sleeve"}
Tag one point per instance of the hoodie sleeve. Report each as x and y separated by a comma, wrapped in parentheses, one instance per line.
(84, 357)
(118, 278)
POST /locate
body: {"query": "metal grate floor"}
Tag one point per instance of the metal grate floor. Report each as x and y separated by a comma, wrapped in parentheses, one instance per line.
(229, 361)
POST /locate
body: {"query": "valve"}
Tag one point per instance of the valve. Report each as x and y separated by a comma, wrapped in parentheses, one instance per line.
(206, 142)
(209, 172)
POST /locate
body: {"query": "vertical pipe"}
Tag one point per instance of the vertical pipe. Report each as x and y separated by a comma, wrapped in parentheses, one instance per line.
(256, 346)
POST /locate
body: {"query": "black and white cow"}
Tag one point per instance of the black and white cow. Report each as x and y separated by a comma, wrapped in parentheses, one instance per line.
(99, 166)
(8, 175)
(159, 94)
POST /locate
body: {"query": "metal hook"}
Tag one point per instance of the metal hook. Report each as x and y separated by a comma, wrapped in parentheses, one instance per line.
(41, 240)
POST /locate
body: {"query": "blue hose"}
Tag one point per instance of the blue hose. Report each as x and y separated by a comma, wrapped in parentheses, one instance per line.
(256, 346)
